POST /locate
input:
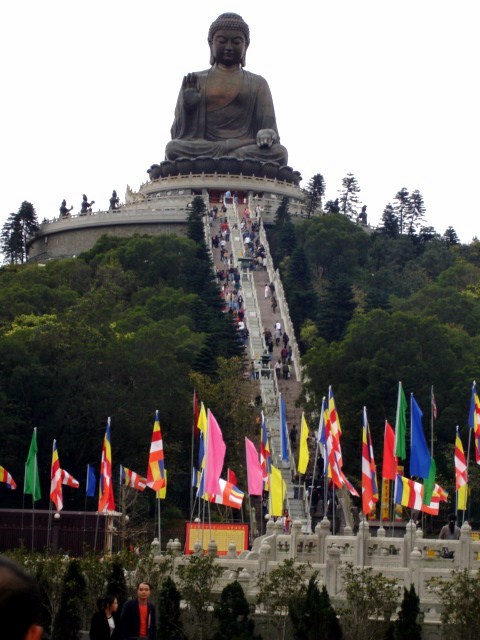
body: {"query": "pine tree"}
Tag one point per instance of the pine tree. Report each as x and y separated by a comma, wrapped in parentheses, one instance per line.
(348, 196)
(302, 299)
(332, 206)
(336, 308)
(407, 626)
(313, 616)
(390, 226)
(11, 240)
(314, 191)
(232, 613)
(450, 237)
(402, 197)
(117, 585)
(169, 625)
(414, 213)
(284, 239)
(68, 621)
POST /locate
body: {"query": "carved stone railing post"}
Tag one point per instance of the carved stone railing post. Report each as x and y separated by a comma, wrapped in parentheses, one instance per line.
(463, 555)
(322, 530)
(265, 551)
(409, 541)
(415, 560)
(361, 548)
(332, 570)
(295, 532)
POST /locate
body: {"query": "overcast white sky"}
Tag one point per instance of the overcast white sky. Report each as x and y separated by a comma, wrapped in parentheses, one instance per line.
(385, 90)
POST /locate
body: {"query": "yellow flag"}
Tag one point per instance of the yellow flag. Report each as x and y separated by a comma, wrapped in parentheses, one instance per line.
(303, 454)
(462, 495)
(162, 493)
(202, 420)
(277, 492)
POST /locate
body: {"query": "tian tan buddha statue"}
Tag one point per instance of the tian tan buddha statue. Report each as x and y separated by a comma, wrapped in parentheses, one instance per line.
(225, 110)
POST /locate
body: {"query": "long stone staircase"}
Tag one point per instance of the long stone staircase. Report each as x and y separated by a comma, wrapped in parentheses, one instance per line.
(259, 315)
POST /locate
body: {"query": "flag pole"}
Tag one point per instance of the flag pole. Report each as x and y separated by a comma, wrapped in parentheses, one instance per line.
(191, 452)
(23, 499)
(159, 523)
(432, 416)
(85, 511)
(468, 461)
(34, 491)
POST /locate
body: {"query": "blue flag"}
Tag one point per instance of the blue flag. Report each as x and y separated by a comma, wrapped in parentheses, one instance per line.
(91, 482)
(420, 460)
(283, 430)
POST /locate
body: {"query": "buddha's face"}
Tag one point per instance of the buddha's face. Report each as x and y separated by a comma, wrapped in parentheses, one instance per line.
(228, 47)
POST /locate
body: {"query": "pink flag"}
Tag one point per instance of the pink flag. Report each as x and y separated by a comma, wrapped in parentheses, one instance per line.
(254, 469)
(215, 455)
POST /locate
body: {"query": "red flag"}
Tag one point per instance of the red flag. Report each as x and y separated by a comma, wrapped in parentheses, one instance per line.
(231, 477)
(215, 455)
(196, 413)
(389, 467)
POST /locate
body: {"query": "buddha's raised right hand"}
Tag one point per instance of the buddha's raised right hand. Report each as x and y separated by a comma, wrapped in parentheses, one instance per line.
(191, 90)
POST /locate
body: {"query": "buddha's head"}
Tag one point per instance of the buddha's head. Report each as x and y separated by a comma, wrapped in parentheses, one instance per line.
(229, 24)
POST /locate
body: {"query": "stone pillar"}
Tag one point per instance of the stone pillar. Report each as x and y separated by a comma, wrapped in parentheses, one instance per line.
(265, 551)
(361, 547)
(322, 530)
(212, 549)
(415, 569)
(232, 551)
(332, 581)
(176, 548)
(463, 555)
(409, 541)
(295, 532)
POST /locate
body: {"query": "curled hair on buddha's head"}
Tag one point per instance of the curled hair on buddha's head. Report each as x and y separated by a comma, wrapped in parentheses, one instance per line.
(233, 22)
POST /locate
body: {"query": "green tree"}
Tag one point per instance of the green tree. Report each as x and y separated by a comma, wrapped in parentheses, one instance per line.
(450, 237)
(402, 198)
(314, 191)
(301, 296)
(371, 601)
(407, 626)
(414, 212)
(116, 583)
(349, 196)
(389, 226)
(279, 589)
(332, 206)
(232, 613)
(170, 626)
(283, 233)
(336, 308)
(459, 597)
(69, 619)
(313, 616)
(11, 239)
(196, 580)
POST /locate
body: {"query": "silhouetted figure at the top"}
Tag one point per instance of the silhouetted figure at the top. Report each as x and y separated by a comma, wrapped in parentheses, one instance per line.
(225, 110)
(114, 200)
(64, 210)
(362, 216)
(86, 206)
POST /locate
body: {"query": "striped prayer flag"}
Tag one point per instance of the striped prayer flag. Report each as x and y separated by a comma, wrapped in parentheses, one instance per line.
(409, 494)
(474, 420)
(56, 492)
(369, 471)
(229, 495)
(265, 457)
(7, 478)
(156, 466)
(132, 479)
(106, 500)
(69, 480)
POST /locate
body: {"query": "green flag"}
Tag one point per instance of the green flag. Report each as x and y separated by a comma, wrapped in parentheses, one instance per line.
(32, 482)
(401, 424)
(429, 483)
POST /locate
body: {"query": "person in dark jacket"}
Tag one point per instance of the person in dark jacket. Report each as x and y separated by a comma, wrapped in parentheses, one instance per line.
(138, 616)
(105, 622)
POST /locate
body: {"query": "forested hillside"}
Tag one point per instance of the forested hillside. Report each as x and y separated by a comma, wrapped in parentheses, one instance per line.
(121, 331)
(373, 309)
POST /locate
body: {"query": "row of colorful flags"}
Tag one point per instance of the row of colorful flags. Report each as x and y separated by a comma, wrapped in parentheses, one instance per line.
(156, 473)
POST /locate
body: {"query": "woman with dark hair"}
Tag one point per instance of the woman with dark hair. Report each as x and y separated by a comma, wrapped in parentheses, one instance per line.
(450, 531)
(104, 624)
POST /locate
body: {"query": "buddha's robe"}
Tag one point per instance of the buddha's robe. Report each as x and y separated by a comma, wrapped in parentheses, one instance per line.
(230, 130)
